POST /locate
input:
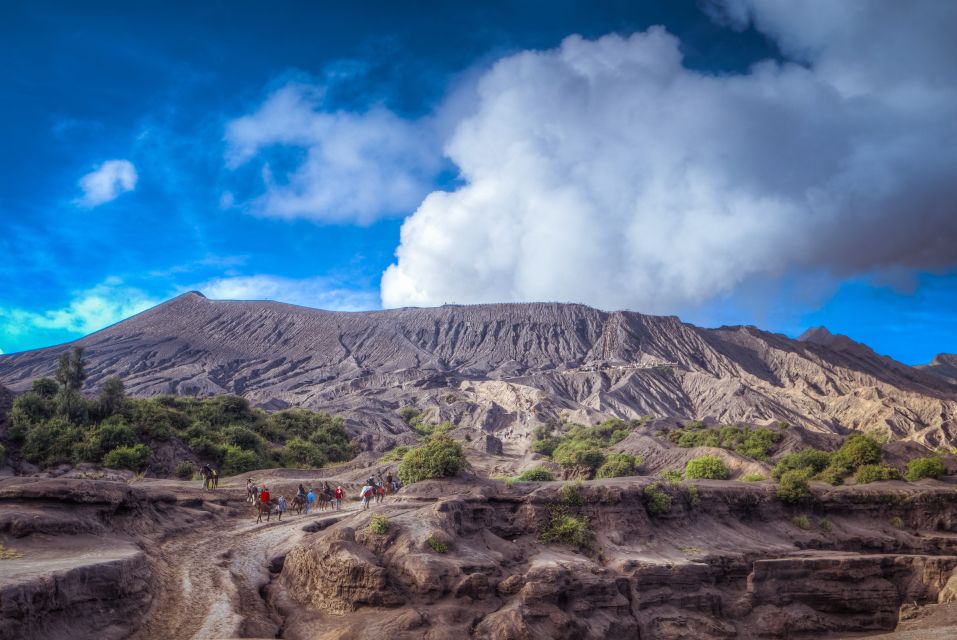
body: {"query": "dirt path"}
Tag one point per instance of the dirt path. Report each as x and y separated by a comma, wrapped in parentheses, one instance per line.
(211, 578)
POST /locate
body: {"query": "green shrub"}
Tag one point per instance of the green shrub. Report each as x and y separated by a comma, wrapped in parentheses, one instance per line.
(824, 524)
(694, 498)
(657, 502)
(930, 467)
(535, 474)
(437, 457)
(572, 494)
(752, 477)
(707, 468)
(858, 450)
(184, 470)
(133, 458)
(673, 476)
(379, 525)
(437, 545)
(754, 442)
(302, 454)
(794, 488)
(580, 449)
(3, 454)
(395, 454)
(897, 522)
(51, 442)
(876, 472)
(801, 522)
(582, 457)
(243, 437)
(812, 461)
(618, 465)
(236, 460)
(566, 529)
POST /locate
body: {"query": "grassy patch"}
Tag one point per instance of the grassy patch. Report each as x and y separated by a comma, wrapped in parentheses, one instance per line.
(395, 454)
(801, 522)
(824, 524)
(437, 545)
(752, 477)
(566, 529)
(535, 474)
(379, 525)
(6, 553)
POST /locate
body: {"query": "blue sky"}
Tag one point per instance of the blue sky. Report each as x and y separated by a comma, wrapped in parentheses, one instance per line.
(288, 151)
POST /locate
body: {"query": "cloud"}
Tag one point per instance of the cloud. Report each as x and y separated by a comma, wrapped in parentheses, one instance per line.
(107, 182)
(357, 167)
(320, 293)
(87, 311)
(607, 172)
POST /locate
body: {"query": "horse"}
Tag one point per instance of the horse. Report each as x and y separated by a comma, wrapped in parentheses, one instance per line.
(216, 478)
(298, 504)
(323, 498)
(252, 494)
(265, 508)
(207, 474)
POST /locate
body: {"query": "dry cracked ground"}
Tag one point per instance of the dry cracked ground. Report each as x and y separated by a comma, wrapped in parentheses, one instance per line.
(165, 559)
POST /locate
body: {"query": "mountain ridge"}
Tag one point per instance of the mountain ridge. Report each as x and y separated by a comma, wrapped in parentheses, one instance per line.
(503, 368)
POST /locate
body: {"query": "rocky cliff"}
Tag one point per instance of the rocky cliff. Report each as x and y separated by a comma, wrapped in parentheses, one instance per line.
(503, 368)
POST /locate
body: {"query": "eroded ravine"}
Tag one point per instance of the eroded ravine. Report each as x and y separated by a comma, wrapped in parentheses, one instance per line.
(212, 578)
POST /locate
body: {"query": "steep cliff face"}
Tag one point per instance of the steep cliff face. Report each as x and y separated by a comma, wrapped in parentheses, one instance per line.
(503, 368)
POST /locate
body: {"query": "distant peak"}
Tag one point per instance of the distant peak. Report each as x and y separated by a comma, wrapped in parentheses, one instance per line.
(198, 294)
(816, 334)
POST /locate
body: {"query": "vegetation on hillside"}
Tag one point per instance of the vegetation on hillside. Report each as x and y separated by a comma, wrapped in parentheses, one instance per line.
(53, 423)
(857, 451)
(439, 456)
(753, 442)
(581, 450)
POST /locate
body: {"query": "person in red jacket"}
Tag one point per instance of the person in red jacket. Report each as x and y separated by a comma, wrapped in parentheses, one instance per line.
(338, 494)
(264, 495)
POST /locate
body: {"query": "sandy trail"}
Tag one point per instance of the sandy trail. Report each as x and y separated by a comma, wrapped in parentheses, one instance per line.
(210, 579)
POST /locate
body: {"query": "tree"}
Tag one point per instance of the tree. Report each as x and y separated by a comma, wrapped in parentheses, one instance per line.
(112, 396)
(70, 371)
(45, 387)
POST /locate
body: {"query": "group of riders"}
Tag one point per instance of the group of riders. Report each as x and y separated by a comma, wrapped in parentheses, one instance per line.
(308, 497)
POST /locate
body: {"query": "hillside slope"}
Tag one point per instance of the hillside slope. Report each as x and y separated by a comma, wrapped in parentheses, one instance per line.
(503, 368)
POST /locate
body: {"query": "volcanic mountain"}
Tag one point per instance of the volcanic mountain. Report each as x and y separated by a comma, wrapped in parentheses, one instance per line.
(503, 368)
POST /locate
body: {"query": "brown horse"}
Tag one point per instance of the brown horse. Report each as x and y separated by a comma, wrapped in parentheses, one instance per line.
(324, 498)
(252, 494)
(265, 508)
(298, 504)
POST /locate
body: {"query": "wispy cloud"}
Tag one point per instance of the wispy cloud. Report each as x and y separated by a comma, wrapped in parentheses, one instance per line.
(320, 293)
(358, 167)
(107, 182)
(87, 311)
